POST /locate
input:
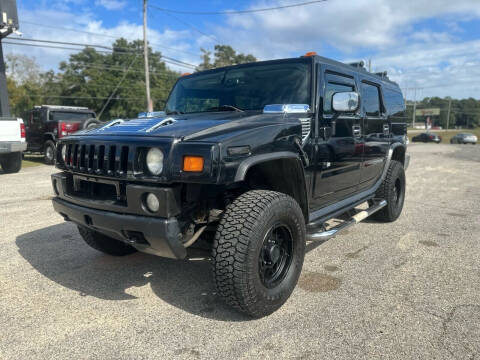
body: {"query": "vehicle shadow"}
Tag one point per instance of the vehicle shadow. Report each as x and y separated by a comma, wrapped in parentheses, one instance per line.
(59, 254)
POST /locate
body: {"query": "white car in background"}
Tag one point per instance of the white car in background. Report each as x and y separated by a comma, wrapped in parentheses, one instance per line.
(12, 144)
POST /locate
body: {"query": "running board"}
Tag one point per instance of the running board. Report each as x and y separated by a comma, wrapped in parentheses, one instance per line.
(362, 215)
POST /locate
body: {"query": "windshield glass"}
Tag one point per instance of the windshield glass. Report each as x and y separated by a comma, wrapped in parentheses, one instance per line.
(69, 116)
(246, 88)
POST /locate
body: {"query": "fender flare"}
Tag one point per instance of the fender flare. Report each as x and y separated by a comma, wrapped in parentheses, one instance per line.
(302, 195)
(257, 159)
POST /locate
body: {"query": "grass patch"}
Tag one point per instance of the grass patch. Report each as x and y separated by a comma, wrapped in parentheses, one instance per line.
(32, 160)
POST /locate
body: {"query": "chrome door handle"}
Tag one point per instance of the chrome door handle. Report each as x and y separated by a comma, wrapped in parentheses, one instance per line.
(386, 129)
(356, 130)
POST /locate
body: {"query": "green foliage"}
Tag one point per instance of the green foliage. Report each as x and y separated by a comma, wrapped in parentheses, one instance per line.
(224, 56)
(464, 113)
(89, 77)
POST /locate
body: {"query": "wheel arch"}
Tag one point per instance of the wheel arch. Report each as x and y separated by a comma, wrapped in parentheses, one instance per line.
(398, 153)
(282, 172)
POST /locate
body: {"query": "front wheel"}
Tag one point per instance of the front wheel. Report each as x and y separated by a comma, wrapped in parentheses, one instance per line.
(258, 251)
(12, 162)
(392, 189)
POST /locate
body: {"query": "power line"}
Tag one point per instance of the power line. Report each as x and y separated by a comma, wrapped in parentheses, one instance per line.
(81, 97)
(106, 35)
(188, 24)
(230, 12)
(117, 50)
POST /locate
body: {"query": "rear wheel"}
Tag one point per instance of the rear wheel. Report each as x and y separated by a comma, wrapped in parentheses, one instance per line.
(258, 251)
(11, 163)
(392, 189)
(49, 152)
(105, 243)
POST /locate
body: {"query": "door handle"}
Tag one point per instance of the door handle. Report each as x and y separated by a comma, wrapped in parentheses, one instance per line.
(386, 129)
(356, 130)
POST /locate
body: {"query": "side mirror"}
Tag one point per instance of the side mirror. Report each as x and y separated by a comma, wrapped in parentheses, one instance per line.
(345, 101)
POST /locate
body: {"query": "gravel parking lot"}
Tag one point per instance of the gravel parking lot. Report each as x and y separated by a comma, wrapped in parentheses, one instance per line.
(409, 289)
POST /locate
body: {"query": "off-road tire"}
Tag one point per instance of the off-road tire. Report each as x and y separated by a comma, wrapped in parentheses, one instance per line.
(90, 123)
(238, 243)
(49, 144)
(393, 209)
(104, 243)
(11, 163)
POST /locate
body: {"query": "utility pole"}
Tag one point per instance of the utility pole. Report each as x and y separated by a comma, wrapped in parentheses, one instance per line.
(145, 55)
(448, 113)
(414, 106)
(370, 65)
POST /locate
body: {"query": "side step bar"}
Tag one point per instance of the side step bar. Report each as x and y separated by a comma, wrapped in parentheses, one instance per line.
(362, 215)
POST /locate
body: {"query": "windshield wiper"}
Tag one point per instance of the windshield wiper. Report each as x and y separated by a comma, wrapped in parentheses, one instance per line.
(175, 112)
(225, 108)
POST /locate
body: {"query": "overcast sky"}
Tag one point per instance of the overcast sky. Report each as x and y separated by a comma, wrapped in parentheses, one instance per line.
(428, 44)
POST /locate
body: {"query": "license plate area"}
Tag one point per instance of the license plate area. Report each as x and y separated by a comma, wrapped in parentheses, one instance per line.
(92, 188)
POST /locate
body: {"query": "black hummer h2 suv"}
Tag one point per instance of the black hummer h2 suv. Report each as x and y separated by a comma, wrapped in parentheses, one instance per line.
(249, 162)
(46, 124)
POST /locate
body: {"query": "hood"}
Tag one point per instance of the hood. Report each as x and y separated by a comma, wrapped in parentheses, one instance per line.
(189, 126)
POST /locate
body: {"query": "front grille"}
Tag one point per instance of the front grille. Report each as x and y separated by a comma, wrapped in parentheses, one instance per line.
(112, 160)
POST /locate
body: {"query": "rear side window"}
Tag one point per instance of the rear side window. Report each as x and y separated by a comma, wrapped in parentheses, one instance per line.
(332, 88)
(371, 99)
(394, 102)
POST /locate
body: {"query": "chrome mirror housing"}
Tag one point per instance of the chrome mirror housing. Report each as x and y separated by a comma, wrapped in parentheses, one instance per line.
(286, 108)
(345, 101)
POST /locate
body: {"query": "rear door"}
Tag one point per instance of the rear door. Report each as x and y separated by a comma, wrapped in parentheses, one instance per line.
(377, 133)
(338, 158)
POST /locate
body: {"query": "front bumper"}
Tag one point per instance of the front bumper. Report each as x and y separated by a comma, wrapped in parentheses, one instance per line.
(158, 236)
(12, 146)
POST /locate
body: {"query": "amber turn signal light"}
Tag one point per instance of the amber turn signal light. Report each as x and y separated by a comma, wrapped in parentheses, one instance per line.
(192, 163)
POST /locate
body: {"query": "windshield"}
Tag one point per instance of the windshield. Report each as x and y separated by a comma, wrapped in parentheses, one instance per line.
(245, 88)
(69, 116)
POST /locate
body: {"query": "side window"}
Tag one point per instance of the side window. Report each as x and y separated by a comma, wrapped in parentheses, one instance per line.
(371, 99)
(35, 117)
(394, 102)
(330, 89)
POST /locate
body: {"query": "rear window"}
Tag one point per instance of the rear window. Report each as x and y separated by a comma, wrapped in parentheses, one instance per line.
(69, 116)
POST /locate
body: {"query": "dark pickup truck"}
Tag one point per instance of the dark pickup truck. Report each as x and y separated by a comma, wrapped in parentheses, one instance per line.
(249, 163)
(46, 124)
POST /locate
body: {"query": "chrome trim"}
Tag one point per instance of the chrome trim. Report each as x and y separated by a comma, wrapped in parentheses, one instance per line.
(345, 101)
(164, 122)
(360, 216)
(286, 109)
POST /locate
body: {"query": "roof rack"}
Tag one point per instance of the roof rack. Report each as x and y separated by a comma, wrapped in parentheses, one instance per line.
(359, 64)
(62, 107)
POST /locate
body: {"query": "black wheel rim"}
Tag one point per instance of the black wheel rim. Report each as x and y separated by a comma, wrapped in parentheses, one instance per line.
(275, 255)
(397, 192)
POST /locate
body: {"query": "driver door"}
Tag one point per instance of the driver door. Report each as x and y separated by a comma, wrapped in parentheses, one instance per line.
(339, 157)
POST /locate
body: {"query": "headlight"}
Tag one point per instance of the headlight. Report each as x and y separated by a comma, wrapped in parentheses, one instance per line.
(155, 161)
(64, 153)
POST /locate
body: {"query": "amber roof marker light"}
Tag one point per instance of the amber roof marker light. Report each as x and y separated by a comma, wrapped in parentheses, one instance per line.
(310, 53)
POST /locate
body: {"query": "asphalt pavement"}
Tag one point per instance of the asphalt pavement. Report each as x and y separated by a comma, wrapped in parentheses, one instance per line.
(405, 290)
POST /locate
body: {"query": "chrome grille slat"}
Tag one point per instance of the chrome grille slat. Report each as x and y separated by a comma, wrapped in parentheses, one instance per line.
(100, 159)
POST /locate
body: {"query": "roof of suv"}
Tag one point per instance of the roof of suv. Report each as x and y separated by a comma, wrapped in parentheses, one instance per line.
(348, 67)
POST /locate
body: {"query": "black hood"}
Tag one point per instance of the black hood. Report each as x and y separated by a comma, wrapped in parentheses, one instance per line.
(188, 126)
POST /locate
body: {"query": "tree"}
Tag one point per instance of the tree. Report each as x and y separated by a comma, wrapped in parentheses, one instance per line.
(92, 77)
(224, 56)
(22, 68)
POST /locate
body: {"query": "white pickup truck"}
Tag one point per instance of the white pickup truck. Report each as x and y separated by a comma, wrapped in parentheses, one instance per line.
(12, 144)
